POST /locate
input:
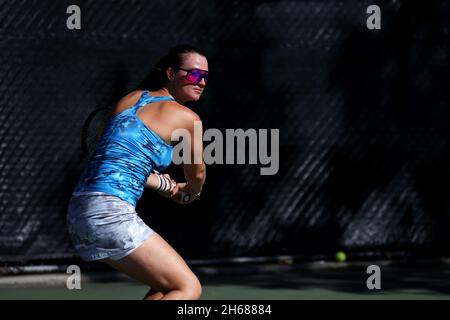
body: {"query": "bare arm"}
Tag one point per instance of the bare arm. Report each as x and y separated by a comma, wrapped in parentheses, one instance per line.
(195, 173)
(162, 183)
(195, 170)
(152, 182)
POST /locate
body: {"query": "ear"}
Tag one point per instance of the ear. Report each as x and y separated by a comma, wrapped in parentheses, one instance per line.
(170, 73)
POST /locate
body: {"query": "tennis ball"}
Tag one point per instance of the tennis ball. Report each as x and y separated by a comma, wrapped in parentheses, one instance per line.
(341, 256)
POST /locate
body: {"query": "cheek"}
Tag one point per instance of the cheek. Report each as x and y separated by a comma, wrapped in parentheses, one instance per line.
(188, 88)
(183, 86)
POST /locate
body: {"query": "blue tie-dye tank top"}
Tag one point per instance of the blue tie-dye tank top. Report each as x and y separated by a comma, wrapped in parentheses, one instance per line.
(125, 156)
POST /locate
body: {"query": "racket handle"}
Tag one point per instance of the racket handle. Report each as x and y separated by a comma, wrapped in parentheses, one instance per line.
(185, 197)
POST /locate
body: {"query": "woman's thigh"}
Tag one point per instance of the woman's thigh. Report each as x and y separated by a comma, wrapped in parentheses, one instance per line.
(156, 264)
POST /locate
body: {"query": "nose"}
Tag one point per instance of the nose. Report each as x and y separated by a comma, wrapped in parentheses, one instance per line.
(202, 83)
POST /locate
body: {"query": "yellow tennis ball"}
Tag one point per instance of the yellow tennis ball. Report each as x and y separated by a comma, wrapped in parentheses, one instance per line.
(341, 256)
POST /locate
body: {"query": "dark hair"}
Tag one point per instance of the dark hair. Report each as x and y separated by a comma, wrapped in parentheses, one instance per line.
(156, 79)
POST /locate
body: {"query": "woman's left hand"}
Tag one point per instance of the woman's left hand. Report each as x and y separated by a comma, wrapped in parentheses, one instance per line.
(170, 190)
(161, 183)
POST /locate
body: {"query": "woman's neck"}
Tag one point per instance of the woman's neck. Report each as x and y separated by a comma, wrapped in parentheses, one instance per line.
(163, 92)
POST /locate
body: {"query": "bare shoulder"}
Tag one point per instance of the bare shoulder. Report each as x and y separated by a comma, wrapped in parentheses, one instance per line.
(183, 113)
(127, 101)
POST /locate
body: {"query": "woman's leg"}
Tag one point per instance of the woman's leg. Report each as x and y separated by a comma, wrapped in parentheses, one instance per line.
(158, 265)
(152, 294)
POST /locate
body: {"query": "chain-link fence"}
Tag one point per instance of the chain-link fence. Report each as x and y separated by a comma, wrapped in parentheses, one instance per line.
(363, 118)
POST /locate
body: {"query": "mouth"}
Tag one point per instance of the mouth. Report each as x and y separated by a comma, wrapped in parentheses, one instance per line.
(198, 90)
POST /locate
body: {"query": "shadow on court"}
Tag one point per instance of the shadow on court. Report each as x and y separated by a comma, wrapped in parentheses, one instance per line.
(345, 282)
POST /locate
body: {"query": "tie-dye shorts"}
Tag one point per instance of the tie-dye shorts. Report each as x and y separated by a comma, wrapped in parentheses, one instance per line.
(104, 226)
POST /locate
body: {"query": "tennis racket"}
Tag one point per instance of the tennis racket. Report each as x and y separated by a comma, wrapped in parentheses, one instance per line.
(93, 128)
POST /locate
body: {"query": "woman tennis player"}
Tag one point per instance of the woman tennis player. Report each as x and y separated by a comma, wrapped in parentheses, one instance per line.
(101, 218)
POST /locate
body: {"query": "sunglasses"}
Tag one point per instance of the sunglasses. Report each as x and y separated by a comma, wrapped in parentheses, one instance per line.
(195, 75)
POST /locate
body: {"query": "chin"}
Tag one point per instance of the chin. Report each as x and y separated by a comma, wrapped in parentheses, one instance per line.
(195, 97)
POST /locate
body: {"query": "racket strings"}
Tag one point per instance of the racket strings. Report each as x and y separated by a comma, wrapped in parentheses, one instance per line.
(93, 129)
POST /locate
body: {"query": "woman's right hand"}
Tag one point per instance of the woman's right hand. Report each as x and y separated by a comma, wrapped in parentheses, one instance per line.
(182, 194)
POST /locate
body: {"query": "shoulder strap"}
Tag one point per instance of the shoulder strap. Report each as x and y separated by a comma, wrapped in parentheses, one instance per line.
(146, 98)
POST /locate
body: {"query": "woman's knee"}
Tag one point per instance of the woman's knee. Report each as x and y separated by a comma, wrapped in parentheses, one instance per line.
(192, 289)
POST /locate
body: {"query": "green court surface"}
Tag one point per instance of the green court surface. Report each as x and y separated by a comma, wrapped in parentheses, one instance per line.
(268, 282)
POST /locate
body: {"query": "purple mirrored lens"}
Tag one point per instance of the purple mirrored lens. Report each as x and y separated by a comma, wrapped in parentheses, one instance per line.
(196, 76)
